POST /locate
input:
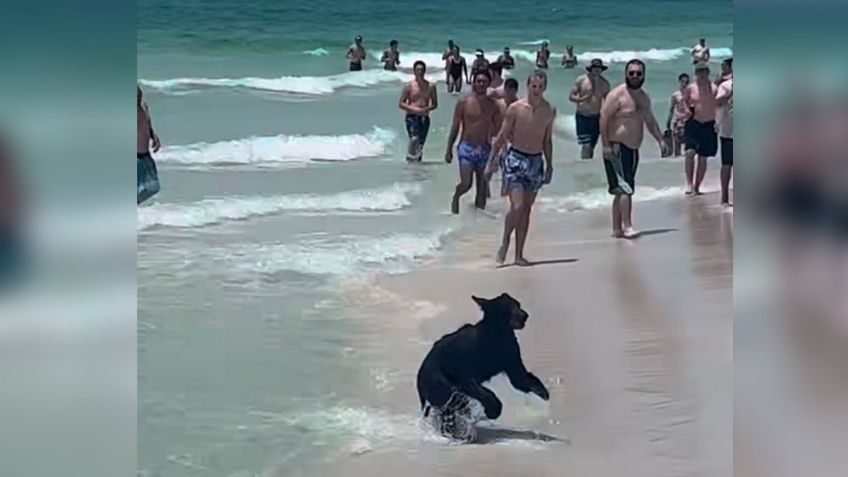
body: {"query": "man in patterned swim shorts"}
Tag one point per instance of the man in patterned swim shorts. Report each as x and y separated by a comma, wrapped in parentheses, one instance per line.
(478, 116)
(528, 129)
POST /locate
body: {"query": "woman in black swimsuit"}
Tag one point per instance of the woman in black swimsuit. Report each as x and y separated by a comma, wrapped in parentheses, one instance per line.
(457, 70)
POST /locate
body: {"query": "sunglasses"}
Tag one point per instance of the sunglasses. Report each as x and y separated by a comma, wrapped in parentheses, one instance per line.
(635, 74)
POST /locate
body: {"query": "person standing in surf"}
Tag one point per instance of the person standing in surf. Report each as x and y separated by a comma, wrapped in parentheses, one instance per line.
(417, 100)
(528, 129)
(624, 116)
(356, 54)
(147, 177)
(678, 114)
(699, 132)
(569, 60)
(542, 56)
(588, 94)
(477, 116)
(457, 71)
(391, 57)
(506, 59)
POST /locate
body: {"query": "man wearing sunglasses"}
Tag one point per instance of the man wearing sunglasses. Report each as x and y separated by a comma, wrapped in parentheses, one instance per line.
(624, 116)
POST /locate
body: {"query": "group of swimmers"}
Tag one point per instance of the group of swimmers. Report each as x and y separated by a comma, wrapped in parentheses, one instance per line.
(497, 129)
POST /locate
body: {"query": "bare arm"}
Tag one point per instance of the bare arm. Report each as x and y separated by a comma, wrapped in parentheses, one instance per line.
(454, 131)
(153, 137)
(673, 102)
(575, 96)
(349, 53)
(650, 119)
(548, 149)
(434, 99)
(608, 110)
(497, 120)
(707, 54)
(503, 136)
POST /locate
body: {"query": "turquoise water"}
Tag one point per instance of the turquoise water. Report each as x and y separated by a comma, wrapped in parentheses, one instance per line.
(285, 191)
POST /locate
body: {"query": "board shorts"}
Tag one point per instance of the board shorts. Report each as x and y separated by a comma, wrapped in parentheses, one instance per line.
(147, 178)
(418, 127)
(355, 66)
(621, 170)
(523, 172)
(588, 129)
(473, 155)
(727, 151)
(701, 137)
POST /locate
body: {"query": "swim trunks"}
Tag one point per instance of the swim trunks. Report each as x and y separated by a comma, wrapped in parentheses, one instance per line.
(701, 137)
(417, 127)
(147, 178)
(523, 172)
(473, 155)
(727, 151)
(588, 129)
(621, 170)
(355, 66)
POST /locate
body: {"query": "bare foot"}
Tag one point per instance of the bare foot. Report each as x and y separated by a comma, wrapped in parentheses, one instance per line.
(630, 233)
(697, 192)
(688, 191)
(501, 257)
(617, 234)
(455, 205)
(522, 262)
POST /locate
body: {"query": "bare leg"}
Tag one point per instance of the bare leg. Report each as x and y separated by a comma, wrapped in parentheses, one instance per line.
(702, 171)
(413, 148)
(616, 217)
(690, 170)
(465, 174)
(509, 226)
(482, 187)
(726, 173)
(522, 226)
(627, 216)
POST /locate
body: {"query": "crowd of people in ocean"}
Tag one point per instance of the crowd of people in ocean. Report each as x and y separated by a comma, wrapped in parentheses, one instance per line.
(497, 129)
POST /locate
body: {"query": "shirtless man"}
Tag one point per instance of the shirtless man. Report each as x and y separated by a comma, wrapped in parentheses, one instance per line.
(506, 59)
(724, 102)
(356, 54)
(701, 52)
(457, 71)
(527, 128)
(699, 133)
(417, 100)
(391, 57)
(147, 178)
(479, 64)
(678, 114)
(588, 93)
(542, 56)
(625, 115)
(569, 60)
(478, 116)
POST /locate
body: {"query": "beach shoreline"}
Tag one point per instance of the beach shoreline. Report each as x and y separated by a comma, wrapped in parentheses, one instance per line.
(633, 339)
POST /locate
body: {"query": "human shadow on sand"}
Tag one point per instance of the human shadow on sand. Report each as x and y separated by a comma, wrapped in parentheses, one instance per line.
(491, 435)
(646, 233)
(533, 263)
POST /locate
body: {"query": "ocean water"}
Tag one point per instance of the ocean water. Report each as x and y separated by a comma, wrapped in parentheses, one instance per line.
(285, 191)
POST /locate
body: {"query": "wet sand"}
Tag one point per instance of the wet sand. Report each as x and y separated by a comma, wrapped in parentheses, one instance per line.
(632, 338)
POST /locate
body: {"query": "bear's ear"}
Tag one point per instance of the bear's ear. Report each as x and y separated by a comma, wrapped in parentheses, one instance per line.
(480, 301)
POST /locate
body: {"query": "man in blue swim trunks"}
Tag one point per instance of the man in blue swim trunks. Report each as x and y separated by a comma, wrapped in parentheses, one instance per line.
(478, 116)
(528, 129)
